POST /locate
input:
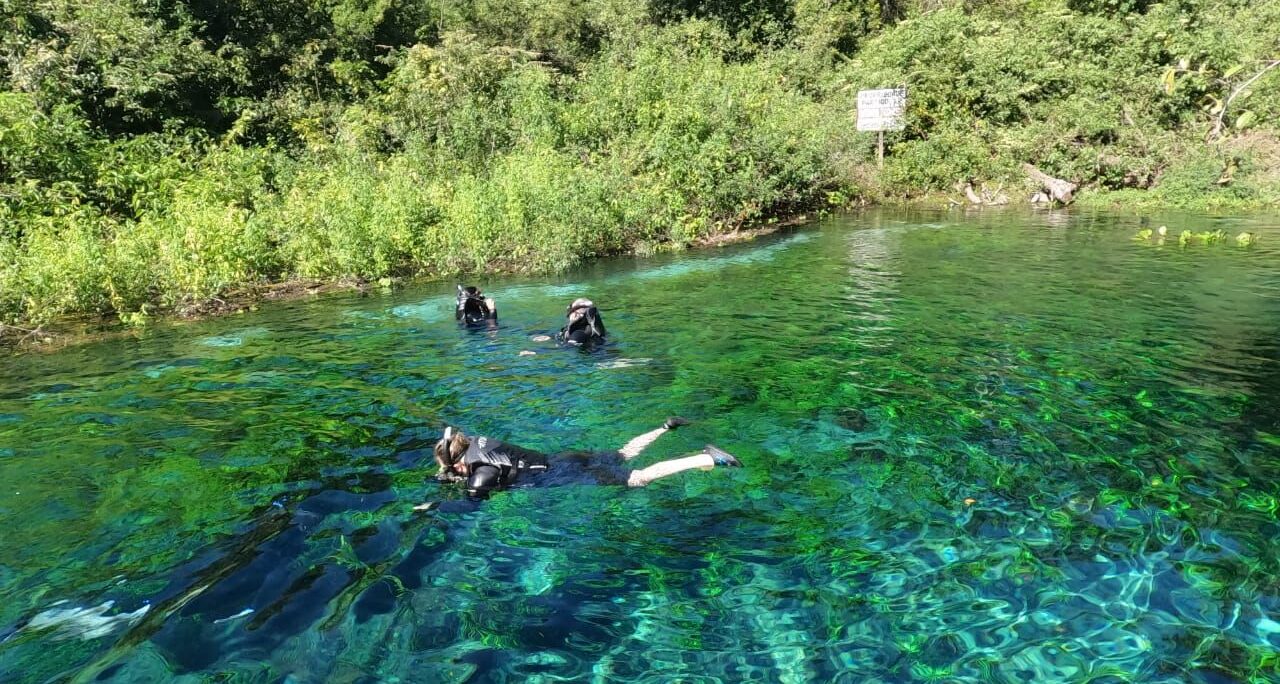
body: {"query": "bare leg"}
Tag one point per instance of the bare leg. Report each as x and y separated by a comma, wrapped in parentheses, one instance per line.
(640, 478)
(638, 444)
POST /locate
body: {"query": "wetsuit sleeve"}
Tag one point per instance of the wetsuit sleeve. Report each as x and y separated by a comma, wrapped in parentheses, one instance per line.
(484, 479)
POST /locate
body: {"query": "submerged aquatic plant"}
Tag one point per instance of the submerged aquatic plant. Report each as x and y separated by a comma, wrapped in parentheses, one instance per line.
(1188, 237)
(922, 472)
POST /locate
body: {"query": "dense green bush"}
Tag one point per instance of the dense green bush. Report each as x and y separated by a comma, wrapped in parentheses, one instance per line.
(1111, 102)
(163, 154)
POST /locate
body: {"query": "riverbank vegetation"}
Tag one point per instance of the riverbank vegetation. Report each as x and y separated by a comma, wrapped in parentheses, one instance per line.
(158, 155)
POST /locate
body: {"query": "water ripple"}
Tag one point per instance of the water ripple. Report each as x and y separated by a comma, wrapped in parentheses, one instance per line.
(994, 447)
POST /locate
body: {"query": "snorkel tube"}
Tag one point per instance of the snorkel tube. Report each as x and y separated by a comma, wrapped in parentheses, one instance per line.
(444, 456)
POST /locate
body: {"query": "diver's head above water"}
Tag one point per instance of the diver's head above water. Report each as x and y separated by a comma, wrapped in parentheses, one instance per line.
(584, 325)
(473, 307)
(578, 306)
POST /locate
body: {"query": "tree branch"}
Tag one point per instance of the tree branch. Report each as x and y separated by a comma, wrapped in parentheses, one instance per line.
(1226, 104)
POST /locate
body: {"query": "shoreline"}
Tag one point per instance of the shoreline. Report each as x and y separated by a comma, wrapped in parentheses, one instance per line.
(75, 331)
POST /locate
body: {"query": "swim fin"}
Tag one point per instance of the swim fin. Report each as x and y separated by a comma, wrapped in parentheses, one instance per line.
(722, 457)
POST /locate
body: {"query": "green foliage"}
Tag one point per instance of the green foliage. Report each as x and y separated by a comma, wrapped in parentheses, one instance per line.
(352, 220)
(1109, 6)
(124, 62)
(168, 153)
(1079, 94)
(465, 99)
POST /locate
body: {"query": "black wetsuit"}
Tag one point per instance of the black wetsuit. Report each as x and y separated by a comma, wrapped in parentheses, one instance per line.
(497, 465)
(588, 330)
(472, 309)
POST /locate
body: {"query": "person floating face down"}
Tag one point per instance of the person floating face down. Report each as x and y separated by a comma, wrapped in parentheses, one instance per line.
(488, 465)
(474, 308)
(584, 326)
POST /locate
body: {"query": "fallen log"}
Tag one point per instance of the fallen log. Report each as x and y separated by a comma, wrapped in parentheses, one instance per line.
(1059, 190)
(981, 197)
(971, 195)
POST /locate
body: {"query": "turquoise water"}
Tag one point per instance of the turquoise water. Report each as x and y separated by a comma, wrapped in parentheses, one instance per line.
(1001, 447)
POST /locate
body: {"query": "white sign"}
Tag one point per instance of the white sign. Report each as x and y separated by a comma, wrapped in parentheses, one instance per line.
(882, 110)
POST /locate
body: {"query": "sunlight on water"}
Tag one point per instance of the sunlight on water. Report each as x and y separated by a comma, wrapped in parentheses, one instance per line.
(233, 339)
(710, 264)
(440, 308)
(998, 446)
(427, 311)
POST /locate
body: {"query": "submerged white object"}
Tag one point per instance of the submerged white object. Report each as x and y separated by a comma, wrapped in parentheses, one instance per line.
(84, 623)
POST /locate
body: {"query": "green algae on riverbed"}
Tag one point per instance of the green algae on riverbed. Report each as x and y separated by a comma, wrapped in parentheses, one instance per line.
(1004, 447)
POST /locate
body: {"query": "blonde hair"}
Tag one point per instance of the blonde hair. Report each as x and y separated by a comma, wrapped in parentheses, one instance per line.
(448, 453)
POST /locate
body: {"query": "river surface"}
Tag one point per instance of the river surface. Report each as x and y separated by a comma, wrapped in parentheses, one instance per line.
(1007, 447)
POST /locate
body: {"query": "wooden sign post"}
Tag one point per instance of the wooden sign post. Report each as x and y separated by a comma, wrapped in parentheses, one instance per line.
(880, 111)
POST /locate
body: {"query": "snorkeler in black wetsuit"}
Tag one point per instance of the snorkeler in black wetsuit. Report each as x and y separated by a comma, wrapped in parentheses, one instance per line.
(487, 464)
(473, 308)
(584, 326)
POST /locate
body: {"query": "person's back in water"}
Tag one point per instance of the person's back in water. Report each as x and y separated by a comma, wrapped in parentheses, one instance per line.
(488, 464)
(492, 463)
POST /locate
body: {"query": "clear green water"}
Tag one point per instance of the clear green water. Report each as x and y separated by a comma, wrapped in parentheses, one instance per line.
(1111, 409)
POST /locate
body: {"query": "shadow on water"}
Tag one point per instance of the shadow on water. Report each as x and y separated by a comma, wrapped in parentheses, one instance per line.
(993, 447)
